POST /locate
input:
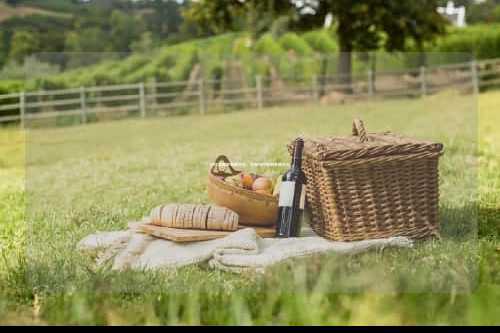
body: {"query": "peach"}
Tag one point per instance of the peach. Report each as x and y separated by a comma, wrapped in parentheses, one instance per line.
(247, 180)
(263, 184)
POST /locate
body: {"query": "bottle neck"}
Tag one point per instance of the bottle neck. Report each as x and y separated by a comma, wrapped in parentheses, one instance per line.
(297, 154)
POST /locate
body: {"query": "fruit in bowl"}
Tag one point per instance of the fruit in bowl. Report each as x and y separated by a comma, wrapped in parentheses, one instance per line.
(263, 185)
(235, 191)
(247, 180)
(252, 182)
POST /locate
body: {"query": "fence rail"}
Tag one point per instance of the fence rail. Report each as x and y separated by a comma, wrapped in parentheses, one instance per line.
(203, 96)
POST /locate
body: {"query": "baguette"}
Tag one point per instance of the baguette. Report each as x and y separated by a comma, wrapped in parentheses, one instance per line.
(189, 216)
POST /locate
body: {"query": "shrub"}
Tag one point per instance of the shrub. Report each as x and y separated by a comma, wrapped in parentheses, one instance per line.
(11, 86)
(187, 57)
(321, 41)
(290, 41)
(131, 64)
(266, 45)
(49, 83)
(483, 41)
(31, 68)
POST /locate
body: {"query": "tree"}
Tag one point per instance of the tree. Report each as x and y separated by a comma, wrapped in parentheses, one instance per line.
(218, 16)
(86, 40)
(496, 14)
(125, 29)
(482, 12)
(23, 43)
(165, 18)
(361, 25)
(3, 48)
(367, 25)
(144, 44)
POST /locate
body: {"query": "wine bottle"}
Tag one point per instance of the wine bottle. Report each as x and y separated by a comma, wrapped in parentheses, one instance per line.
(291, 196)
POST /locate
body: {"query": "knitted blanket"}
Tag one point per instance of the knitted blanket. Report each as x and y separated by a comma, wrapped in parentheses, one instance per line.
(240, 251)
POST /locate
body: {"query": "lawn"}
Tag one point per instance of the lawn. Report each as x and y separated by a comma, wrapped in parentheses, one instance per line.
(98, 177)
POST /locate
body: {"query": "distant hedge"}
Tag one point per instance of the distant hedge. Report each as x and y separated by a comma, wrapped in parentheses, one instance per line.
(483, 41)
(292, 42)
(7, 87)
(290, 56)
(321, 41)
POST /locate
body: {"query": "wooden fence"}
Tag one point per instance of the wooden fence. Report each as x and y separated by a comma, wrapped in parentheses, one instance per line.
(87, 104)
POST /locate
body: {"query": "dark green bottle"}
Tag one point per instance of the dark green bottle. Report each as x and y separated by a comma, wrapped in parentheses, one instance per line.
(290, 206)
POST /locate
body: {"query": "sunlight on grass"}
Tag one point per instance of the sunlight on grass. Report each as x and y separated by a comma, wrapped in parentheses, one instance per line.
(97, 177)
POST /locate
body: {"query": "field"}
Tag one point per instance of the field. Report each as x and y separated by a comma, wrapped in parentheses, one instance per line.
(81, 179)
(7, 12)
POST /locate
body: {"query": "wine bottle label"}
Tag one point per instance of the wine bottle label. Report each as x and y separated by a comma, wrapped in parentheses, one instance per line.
(287, 189)
(303, 198)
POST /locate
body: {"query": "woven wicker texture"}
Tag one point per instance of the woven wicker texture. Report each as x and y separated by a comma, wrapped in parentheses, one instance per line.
(372, 185)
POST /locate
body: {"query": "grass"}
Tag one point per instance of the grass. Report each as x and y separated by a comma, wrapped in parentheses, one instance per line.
(98, 177)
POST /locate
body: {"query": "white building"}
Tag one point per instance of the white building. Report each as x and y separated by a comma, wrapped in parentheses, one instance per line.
(456, 15)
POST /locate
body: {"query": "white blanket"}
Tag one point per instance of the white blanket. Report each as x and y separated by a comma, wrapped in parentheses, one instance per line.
(237, 252)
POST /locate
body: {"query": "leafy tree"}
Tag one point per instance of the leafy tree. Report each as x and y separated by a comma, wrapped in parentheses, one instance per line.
(103, 25)
(367, 25)
(165, 18)
(144, 44)
(496, 14)
(4, 51)
(124, 30)
(23, 43)
(361, 25)
(217, 16)
(87, 40)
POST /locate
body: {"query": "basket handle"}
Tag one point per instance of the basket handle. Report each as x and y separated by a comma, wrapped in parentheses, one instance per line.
(219, 167)
(358, 129)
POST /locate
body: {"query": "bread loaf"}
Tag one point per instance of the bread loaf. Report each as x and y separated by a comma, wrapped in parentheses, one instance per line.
(189, 216)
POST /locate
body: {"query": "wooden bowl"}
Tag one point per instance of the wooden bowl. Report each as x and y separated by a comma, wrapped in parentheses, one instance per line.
(254, 209)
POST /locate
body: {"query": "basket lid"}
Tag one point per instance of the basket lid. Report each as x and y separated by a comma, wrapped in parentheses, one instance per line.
(364, 145)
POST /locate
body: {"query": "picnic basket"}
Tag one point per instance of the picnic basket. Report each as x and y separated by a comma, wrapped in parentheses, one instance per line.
(369, 185)
(254, 209)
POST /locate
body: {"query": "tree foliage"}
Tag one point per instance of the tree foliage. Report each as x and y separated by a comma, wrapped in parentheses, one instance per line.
(23, 44)
(218, 16)
(361, 25)
(96, 26)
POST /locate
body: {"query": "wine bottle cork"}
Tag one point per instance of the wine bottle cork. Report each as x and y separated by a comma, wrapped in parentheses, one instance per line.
(189, 216)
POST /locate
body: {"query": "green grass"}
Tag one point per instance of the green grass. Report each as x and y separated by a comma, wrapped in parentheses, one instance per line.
(98, 177)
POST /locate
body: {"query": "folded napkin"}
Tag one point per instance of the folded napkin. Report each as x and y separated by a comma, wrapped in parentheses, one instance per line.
(240, 251)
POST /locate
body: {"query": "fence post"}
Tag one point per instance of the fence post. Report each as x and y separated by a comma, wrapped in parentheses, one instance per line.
(142, 100)
(201, 93)
(258, 86)
(370, 82)
(423, 81)
(475, 78)
(22, 108)
(83, 105)
(314, 85)
(154, 89)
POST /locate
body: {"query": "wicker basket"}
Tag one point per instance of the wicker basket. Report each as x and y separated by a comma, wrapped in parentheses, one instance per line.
(254, 209)
(372, 185)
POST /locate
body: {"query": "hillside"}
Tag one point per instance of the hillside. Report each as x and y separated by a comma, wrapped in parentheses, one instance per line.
(32, 27)
(135, 52)
(8, 12)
